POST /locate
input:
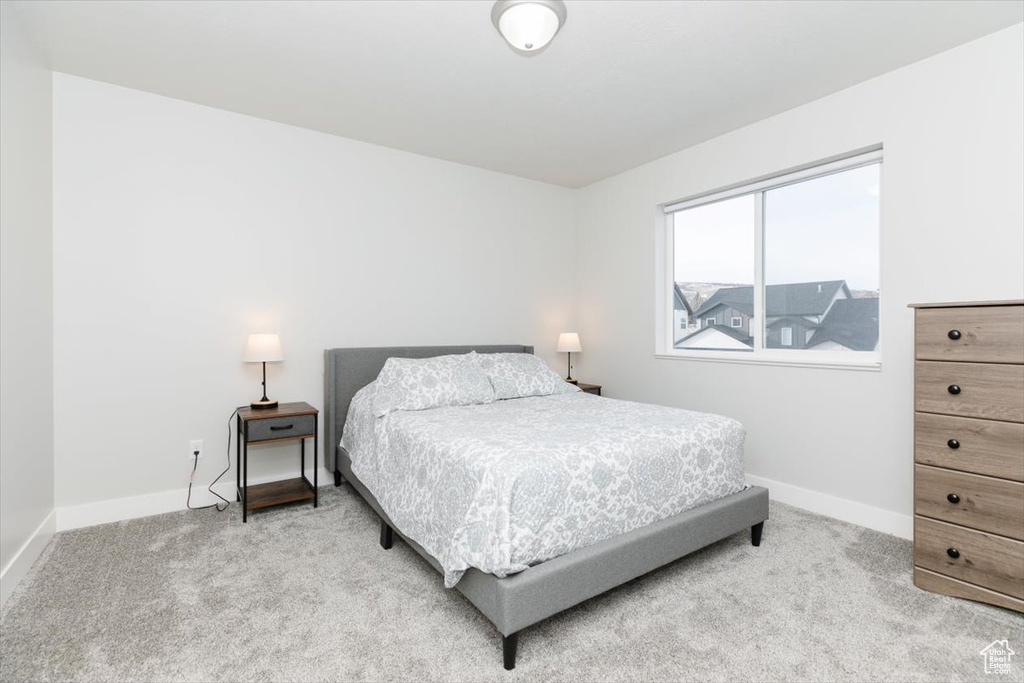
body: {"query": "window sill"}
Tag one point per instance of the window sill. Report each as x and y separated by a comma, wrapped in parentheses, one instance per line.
(872, 364)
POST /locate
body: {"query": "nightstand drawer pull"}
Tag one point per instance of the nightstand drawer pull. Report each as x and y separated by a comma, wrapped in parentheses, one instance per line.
(954, 389)
(953, 443)
(954, 334)
(278, 428)
(953, 498)
(953, 552)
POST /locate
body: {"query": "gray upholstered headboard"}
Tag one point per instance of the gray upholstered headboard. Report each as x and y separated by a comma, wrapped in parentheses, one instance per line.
(346, 371)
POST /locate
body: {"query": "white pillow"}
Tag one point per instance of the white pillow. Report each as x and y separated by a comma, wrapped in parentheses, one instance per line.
(421, 383)
(516, 375)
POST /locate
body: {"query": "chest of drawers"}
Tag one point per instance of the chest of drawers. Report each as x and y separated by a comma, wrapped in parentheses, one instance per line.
(969, 451)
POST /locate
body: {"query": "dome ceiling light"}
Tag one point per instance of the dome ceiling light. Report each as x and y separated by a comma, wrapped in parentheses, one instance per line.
(528, 25)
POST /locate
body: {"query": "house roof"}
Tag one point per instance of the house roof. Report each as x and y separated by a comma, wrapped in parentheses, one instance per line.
(680, 300)
(852, 323)
(803, 298)
(740, 298)
(799, 298)
(724, 329)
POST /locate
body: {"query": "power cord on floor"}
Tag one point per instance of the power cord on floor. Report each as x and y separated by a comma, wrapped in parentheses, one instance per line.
(195, 464)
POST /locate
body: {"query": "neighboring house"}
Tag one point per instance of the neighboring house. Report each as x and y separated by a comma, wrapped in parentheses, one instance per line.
(716, 337)
(682, 319)
(796, 311)
(851, 325)
(731, 307)
(820, 315)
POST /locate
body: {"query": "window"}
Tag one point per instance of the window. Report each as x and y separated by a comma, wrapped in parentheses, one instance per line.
(795, 255)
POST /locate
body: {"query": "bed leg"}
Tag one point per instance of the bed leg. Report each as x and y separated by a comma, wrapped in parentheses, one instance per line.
(755, 533)
(337, 478)
(509, 644)
(387, 536)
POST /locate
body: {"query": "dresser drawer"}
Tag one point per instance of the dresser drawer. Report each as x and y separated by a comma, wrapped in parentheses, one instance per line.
(945, 585)
(971, 500)
(964, 443)
(986, 334)
(990, 391)
(281, 428)
(974, 556)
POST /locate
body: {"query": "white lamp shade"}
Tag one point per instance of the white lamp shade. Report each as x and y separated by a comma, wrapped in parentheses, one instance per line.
(528, 25)
(263, 348)
(569, 342)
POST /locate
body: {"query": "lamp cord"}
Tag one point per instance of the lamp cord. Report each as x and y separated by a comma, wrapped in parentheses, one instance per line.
(195, 464)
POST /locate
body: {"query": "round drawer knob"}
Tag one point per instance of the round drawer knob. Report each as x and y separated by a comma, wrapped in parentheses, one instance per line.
(953, 389)
(953, 552)
(953, 443)
(953, 498)
(954, 334)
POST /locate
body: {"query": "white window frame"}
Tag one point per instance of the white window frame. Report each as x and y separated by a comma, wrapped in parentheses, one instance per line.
(783, 333)
(709, 324)
(737, 321)
(664, 267)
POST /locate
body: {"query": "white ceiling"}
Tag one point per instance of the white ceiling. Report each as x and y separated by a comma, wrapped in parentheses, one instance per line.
(623, 83)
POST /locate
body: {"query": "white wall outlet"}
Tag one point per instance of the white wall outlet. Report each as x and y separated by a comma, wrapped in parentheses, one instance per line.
(193, 446)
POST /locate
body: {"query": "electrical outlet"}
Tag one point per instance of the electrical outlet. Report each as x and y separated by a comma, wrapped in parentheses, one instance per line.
(193, 446)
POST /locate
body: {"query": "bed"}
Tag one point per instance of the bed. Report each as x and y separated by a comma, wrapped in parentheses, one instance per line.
(513, 597)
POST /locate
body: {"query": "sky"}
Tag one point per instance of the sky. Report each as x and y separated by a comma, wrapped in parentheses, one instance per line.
(820, 229)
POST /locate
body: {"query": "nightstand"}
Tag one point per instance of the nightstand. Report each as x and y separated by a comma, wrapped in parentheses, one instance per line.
(287, 422)
(594, 389)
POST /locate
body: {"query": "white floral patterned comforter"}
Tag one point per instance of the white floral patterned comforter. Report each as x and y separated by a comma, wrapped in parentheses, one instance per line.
(509, 484)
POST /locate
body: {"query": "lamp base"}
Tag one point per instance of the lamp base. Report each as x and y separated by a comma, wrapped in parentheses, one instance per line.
(570, 380)
(263, 404)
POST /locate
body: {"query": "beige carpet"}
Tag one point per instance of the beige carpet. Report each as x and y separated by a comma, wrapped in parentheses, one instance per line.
(308, 595)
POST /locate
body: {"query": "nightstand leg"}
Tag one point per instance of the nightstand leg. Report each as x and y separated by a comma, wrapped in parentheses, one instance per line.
(316, 465)
(238, 460)
(245, 476)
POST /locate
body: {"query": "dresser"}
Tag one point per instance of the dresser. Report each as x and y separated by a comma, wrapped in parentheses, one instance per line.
(969, 451)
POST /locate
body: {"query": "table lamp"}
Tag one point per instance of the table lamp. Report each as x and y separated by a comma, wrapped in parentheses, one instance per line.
(569, 342)
(263, 348)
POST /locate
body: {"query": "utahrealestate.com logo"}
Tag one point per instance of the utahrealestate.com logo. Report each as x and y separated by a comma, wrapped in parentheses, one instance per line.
(997, 657)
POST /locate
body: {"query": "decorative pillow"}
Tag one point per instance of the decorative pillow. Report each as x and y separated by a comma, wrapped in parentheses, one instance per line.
(515, 375)
(421, 383)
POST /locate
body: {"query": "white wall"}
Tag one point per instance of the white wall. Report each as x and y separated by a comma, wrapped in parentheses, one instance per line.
(179, 229)
(952, 229)
(26, 304)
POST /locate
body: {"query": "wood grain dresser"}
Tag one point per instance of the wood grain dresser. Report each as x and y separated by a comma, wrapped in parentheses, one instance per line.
(969, 451)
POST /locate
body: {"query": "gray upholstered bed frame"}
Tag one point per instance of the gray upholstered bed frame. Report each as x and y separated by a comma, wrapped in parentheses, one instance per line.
(523, 599)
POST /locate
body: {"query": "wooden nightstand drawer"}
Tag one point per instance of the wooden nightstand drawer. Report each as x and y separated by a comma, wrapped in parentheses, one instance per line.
(281, 428)
(978, 502)
(963, 443)
(984, 390)
(973, 556)
(987, 334)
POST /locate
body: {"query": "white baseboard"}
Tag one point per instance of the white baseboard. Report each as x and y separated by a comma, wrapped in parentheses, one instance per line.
(840, 508)
(119, 509)
(18, 567)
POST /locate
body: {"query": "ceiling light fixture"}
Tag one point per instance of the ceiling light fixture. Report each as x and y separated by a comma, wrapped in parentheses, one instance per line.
(528, 25)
